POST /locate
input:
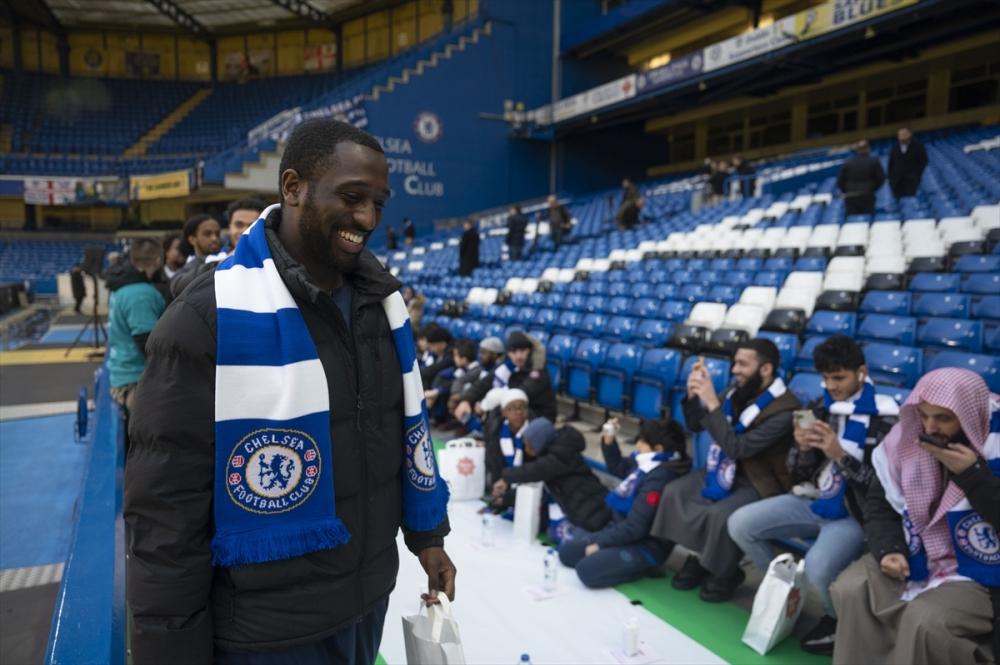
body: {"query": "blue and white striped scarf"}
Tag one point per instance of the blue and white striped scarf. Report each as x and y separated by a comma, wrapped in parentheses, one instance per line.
(511, 445)
(720, 469)
(853, 433)
(274, 493)
(503, 372)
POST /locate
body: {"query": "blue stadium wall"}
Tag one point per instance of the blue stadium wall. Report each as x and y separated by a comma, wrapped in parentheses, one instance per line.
(445, 159)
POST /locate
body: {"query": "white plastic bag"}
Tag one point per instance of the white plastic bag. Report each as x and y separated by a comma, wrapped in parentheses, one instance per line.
(463, 467)
(777, 605)
(433, 639)
(527, 515)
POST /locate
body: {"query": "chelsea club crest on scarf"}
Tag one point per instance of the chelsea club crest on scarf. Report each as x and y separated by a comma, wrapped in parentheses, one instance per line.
(273, 470)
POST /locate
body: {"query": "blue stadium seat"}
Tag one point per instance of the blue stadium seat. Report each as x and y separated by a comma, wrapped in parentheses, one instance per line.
(557, 353)
(804, 358)
(693, 293)
(893, 365)
(750, 264)
(727, 295)
(575, 302)
(807, 386)
(936, 282)
(898, 394)
(474, 330)
(941, 304)
(991, 341)
(591, 325)
(738, 278)
(887, 302)
(546, 318)
(620, 328)
(614, 375)
(641, 290)
(653, 382)
(788, 346)
(491, 330)
(675, 311)
(666, 291)
(582, 366)
(541, 335)
(773, 278)
(526, 315)
(978, 263)
(508, 314)
(568, 321)
(986, 366)
(826, 322)
(782, 263)
(982, 283)
(595, 304)
(652, 332)
(618, 305)
(962, 334)
(811, 264)
(888, 328)
(644, 308)
(987, 308)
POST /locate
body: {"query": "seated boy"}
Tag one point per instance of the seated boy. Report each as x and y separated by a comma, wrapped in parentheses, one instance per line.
(503, 431)
(556, 459)
(623, 550)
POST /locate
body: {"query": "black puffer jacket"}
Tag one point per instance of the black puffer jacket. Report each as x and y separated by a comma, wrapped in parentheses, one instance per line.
(533, 379)
(182, 607)
(568, 478)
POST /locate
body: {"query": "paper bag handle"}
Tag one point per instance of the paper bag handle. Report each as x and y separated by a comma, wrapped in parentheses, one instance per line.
(438, 614)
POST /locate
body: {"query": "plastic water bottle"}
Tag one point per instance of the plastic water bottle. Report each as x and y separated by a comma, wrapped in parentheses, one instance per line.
(551, 570)
(525, 659)
(488, 539)
(630, 637)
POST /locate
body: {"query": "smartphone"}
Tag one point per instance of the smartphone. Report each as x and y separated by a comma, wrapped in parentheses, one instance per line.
(938, 441)
(804, 418)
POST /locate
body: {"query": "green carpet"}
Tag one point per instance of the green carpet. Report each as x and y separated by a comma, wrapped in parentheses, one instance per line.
(718, 627)
(379, 660)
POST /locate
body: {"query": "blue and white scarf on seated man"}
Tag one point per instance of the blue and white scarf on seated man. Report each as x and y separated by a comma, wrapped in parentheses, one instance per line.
(720, 469)
(623, 495)
(852, 433)
(274, 493)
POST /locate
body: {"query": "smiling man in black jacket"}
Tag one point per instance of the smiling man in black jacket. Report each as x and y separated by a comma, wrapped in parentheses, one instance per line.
(326, 606)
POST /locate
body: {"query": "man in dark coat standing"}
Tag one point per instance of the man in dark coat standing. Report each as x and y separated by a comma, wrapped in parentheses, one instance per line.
(409, 232)
(468, 249)
(907, 162)
(859, 179)
(77, 286)
(327, 605)
(517, 226)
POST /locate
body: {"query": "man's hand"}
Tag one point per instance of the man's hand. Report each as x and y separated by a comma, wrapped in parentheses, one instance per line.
(500, 488)
(440, 574)
(591, 548)
(430, 396)
(956, 457)
(826, 440)
(896, 566)
(463, 410)
(701, 385)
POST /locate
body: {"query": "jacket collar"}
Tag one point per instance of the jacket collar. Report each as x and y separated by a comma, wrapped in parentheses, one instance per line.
(371, 282)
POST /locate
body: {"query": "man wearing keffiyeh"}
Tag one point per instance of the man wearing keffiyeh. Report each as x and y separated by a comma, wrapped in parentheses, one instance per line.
(751, 428)
(832, 463)
(928, 590)
(279, 437)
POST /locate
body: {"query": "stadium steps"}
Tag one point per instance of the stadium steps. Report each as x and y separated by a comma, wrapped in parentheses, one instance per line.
(168, 123)
(432, 61)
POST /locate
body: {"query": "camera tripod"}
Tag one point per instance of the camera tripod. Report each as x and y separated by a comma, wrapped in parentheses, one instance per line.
(100, 332)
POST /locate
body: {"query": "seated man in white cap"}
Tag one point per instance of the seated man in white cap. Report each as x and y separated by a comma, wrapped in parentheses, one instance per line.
(506, 417)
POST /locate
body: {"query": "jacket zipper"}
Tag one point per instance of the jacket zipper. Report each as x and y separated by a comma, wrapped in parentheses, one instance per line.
(364, 458)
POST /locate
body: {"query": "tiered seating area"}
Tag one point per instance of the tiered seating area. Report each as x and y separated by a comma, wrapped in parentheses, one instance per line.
(625, 314)
(39, 261)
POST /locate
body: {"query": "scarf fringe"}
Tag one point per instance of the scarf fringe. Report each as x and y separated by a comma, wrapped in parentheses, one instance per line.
(280, 542)
(427, 515)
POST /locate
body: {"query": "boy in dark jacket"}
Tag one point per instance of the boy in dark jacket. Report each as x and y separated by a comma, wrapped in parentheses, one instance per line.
(558, 462)
(623, 550)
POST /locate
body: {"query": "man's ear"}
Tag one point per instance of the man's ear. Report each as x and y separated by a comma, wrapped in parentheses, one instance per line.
(293, 188)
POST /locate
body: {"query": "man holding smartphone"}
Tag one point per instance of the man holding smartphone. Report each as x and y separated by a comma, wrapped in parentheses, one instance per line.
(831, 461)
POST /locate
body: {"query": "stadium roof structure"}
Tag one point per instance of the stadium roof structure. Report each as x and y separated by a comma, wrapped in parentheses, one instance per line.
(202, 18)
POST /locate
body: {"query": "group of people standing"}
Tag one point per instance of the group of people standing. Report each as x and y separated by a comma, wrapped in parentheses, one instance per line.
(719, 174)
(862, 175)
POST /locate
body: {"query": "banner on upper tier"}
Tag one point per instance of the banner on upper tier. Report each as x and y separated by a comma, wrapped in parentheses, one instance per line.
(75, 191)
(682, 68)
(838, 14)
(160, 186)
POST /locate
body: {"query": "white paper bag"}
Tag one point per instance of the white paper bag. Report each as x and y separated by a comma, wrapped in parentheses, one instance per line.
(433, 639)
(527, 504)
(777, 605)
(463, 467)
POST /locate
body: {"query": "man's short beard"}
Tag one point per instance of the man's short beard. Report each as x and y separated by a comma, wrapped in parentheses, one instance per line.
(747, 393)
(320, 246)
